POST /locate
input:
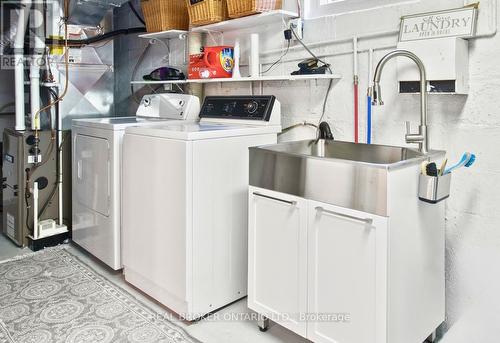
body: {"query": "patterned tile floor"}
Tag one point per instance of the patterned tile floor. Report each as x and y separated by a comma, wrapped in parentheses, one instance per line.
(207, 331)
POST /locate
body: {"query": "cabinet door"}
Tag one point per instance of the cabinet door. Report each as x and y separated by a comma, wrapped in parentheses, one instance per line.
(341, 275)
(277, 280)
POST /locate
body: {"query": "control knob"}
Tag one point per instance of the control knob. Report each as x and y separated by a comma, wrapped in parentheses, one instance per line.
(252, 107)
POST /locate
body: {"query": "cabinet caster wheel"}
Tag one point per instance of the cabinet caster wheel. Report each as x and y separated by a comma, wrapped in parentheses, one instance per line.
(263, 323)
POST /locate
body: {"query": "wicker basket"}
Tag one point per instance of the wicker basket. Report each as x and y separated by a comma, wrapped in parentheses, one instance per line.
(203, 12)
(163, 15)
(242, 8)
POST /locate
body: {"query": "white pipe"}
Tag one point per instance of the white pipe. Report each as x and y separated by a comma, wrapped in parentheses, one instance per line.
(370, 67)
(254, 58)
(236, 69)
(54, 21)
(333, 41)
(60, 208)
(35, 210)
(347, 52)
(36, 60)
(195, 43)
(34, 92)
(19, 67)
(355, 56)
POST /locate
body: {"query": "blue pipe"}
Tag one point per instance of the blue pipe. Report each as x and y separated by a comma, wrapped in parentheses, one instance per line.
(369, 120)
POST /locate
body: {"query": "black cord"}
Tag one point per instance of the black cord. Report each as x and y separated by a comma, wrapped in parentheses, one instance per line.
(136, 13)
(309, 50)
(58, 149)
(26, 199)
(278, 60)
(330, 84)
(49, 200)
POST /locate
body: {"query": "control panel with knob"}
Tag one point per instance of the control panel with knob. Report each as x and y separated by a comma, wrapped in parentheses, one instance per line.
(238, 107)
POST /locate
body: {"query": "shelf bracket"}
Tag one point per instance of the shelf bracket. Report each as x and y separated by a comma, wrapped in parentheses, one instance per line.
(153, 41)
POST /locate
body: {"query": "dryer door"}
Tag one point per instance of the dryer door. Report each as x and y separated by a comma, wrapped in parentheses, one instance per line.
(92, 182)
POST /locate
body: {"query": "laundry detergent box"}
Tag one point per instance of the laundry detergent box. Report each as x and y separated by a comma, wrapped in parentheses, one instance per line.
(213, 62)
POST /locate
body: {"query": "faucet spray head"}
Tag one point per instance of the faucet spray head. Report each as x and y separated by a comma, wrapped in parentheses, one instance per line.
(376, 95)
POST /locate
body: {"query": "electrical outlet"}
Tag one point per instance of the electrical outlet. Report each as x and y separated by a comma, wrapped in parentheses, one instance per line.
(298, 26)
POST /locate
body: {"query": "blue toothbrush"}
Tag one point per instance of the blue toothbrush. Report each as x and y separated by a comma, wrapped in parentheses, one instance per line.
(467, 160)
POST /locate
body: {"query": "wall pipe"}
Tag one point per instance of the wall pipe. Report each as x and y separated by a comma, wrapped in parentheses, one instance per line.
(195, 42)
(59, 142)
(341, 53)
(54, 20)
(19, 60)
(334, 41)
(36, 58)
(369, 98)
(35, 210)
(356, 91)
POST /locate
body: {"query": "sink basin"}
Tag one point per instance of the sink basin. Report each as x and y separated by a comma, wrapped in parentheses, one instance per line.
(356, 176)
(365, 153)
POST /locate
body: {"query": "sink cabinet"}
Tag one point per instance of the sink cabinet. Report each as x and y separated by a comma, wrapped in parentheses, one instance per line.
(338, 275)
(278, 257)
(342, 258)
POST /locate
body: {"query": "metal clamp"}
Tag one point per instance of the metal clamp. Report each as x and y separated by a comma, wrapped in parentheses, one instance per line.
(344, 216)
(289, 202)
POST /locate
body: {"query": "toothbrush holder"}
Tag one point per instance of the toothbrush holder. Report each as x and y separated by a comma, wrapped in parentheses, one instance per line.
(433, 189)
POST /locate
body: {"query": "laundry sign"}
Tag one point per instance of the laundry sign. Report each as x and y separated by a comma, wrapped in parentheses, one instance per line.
(460, 22)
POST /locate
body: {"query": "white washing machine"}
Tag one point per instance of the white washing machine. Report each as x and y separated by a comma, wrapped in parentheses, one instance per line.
(185, 203)
(96, 169)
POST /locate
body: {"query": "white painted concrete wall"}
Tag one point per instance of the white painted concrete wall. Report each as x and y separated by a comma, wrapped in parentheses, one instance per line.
(457, 124)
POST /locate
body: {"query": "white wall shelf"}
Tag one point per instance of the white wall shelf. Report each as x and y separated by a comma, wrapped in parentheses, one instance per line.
(180, 34)
(144, 82)
(249, 79)
(256, 20)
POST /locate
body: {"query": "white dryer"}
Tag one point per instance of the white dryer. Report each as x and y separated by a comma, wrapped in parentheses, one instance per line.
(97, 167)
(185, 197)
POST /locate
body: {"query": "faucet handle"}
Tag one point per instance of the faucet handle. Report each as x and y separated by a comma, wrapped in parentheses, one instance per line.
(413, 137)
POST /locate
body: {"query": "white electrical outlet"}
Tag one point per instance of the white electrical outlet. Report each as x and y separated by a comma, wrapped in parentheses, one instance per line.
(298, 26)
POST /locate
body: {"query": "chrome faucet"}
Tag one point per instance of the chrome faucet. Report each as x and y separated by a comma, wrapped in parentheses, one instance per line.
(420, 137)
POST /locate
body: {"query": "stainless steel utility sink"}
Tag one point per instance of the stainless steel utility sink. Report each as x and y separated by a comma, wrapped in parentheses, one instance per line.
(346, 174)
(365, 153)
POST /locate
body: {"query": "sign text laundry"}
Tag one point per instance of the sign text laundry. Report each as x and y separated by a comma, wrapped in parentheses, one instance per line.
(453, 23)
